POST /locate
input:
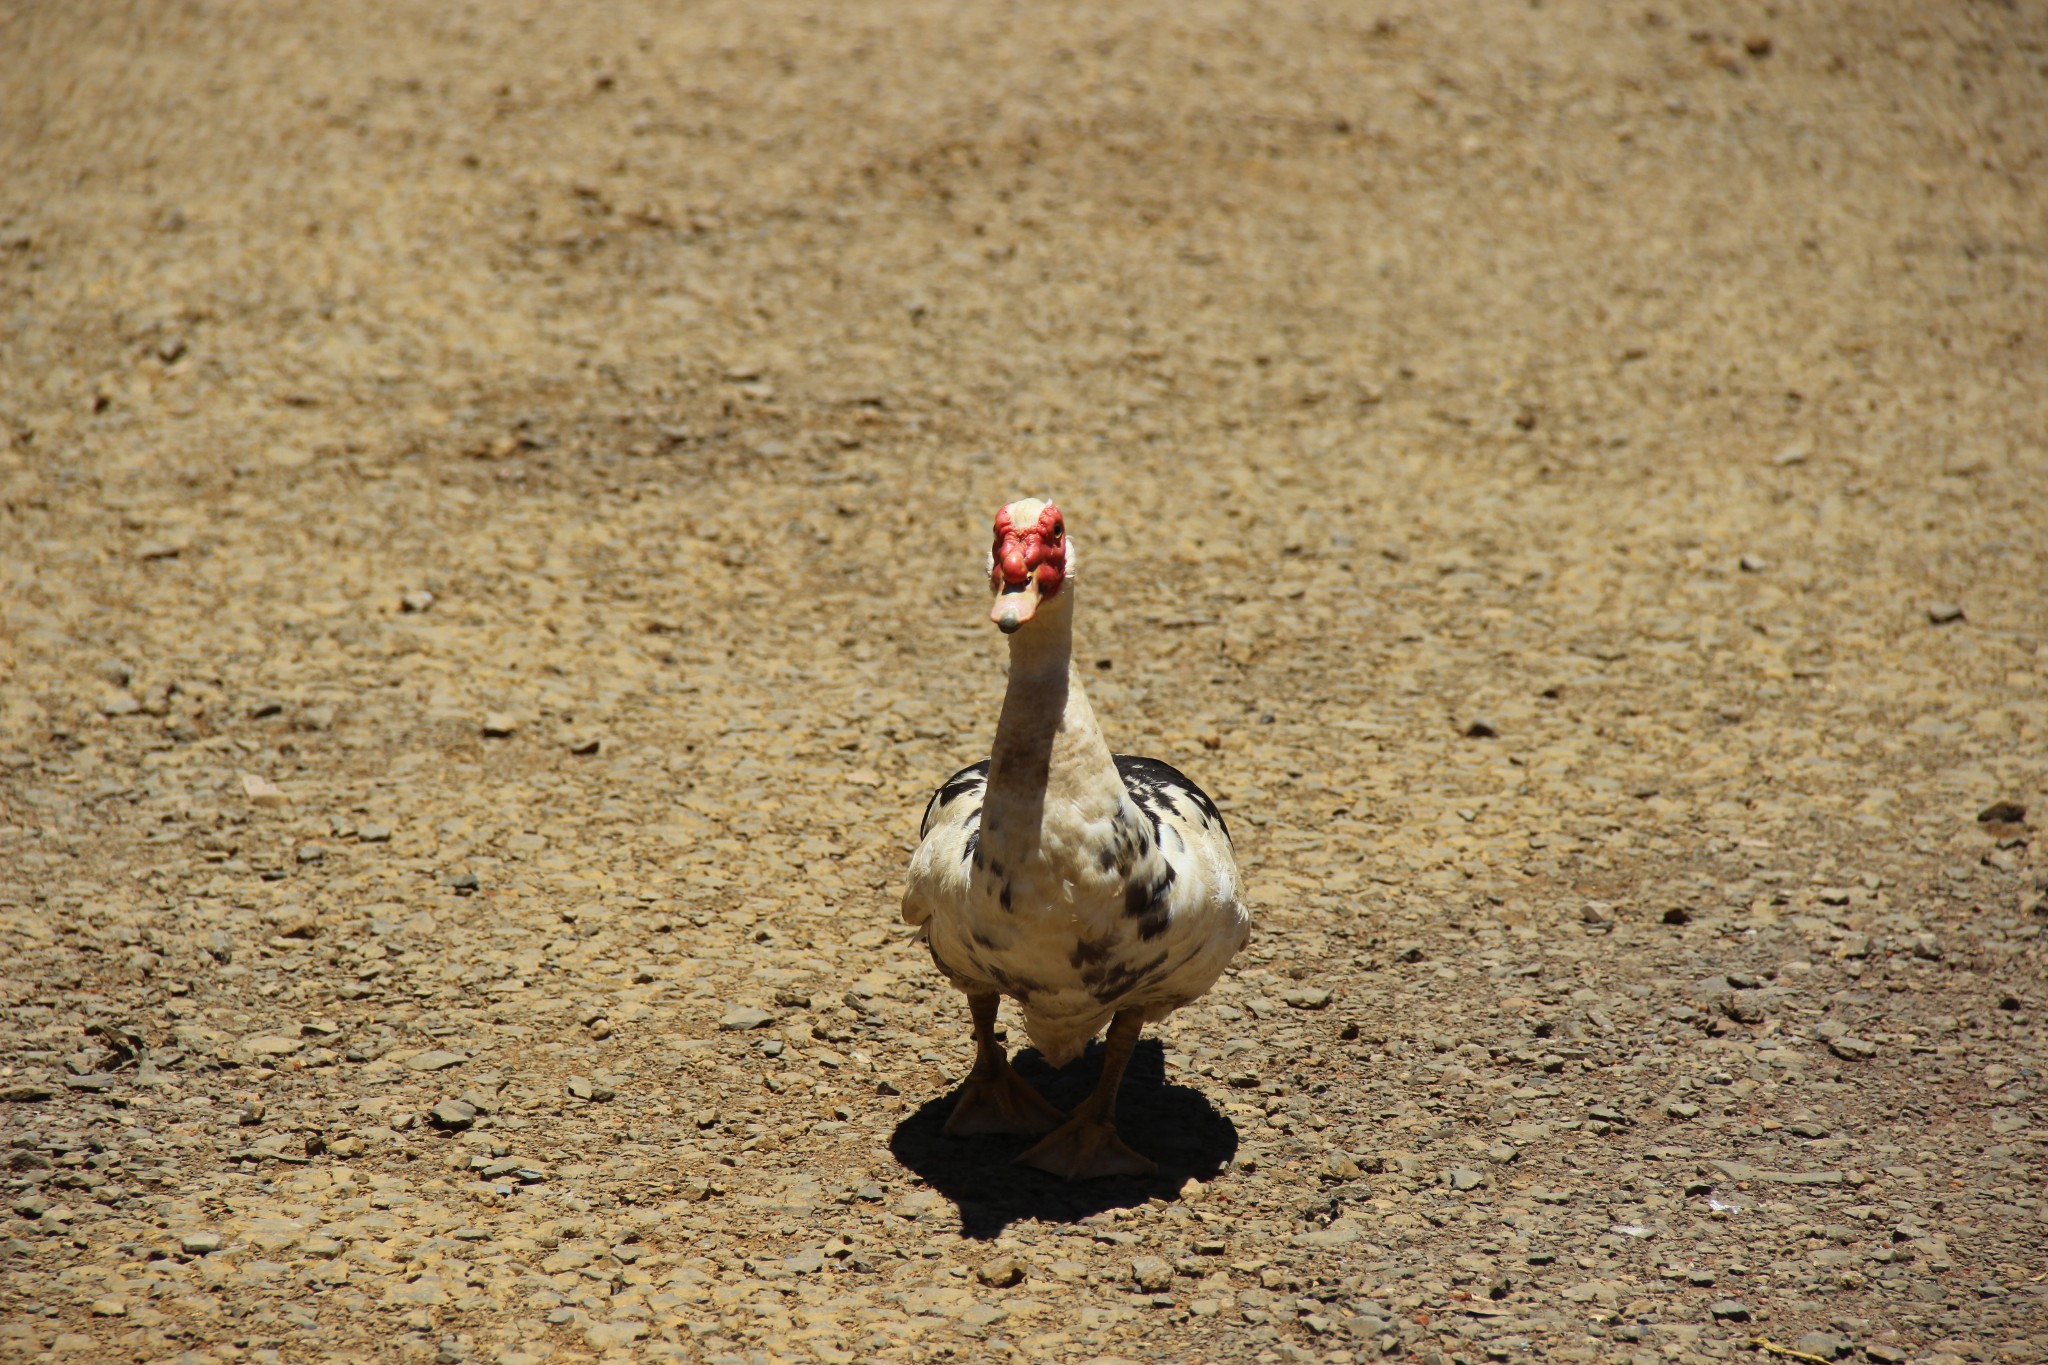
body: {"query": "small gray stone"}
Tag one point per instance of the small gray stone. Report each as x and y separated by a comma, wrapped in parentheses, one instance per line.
(1151, 1274)
(1943, 613)
(434, 1059)
(500, 725)
(742, 1017)
(1822, 1344)
(199, 1243)
(584, 1088)
(604, 1336)
(1744, 1007)
(272, 1045)
(452, 1116)
(1307, 997)
(1001, 1273)
(1852, 1049)
(1465, 1178)
(1729, 1310)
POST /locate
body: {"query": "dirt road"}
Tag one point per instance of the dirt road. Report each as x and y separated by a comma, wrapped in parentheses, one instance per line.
(492, 512)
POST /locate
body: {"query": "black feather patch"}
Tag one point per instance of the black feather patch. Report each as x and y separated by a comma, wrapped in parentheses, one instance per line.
(967, 779)
(1149, 898)
(1086, 953)
(1136, 898)
(1108, 983)
(1150, 782)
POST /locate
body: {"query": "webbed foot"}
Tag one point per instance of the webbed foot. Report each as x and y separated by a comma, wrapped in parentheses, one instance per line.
(1085, 1148)
(1002, 1101)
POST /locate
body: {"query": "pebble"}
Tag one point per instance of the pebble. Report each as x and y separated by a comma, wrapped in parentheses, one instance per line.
(1942, 613)
(584, 1088)
(606, 1336)
(1001, 1273)
(500, 725)
(262, 791)
(1851, 1049)
(272, 1045)
(200, 1243)
(743, 1017)
(453, 1116)
(1307, 997)
(1729, 1310)
(1822, 1344)
(1151, 1274)
(434, 1059)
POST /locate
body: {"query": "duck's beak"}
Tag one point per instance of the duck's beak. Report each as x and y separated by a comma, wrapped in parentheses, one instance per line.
(1015, 604)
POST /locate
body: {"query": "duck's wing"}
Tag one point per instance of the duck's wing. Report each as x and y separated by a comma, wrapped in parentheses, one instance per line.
(1164, 790)
(947, 837)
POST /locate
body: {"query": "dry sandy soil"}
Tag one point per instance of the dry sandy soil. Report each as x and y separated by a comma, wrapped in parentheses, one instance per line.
(492, 507)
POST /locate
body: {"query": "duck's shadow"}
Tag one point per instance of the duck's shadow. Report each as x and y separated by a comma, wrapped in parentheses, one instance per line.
(1174, 1125)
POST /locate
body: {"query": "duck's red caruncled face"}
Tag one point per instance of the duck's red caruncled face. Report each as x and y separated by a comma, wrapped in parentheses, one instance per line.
(1039, 546)
(1027, 564)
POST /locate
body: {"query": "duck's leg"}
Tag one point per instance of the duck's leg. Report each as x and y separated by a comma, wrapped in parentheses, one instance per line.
(1086, 1145)
(996, 1099)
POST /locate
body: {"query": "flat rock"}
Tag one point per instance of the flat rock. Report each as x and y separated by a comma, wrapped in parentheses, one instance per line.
(1151, 1274)
(452, 1115)
(605, 1336)
(434, 1059)
(1742, 1170)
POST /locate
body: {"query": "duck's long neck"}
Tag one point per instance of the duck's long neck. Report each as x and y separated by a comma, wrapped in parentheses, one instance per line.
(1049, 759)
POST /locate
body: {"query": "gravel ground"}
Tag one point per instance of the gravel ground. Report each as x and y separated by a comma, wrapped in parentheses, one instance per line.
(492, 506)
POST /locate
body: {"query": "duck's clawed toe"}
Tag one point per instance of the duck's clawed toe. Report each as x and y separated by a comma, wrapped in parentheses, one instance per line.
(1003, 1102)
(1085, 1148)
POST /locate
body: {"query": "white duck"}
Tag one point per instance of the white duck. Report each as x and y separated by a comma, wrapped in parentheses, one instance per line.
(1090, 888)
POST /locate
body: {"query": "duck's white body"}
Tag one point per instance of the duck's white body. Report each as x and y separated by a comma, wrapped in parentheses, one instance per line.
(1079, 884)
